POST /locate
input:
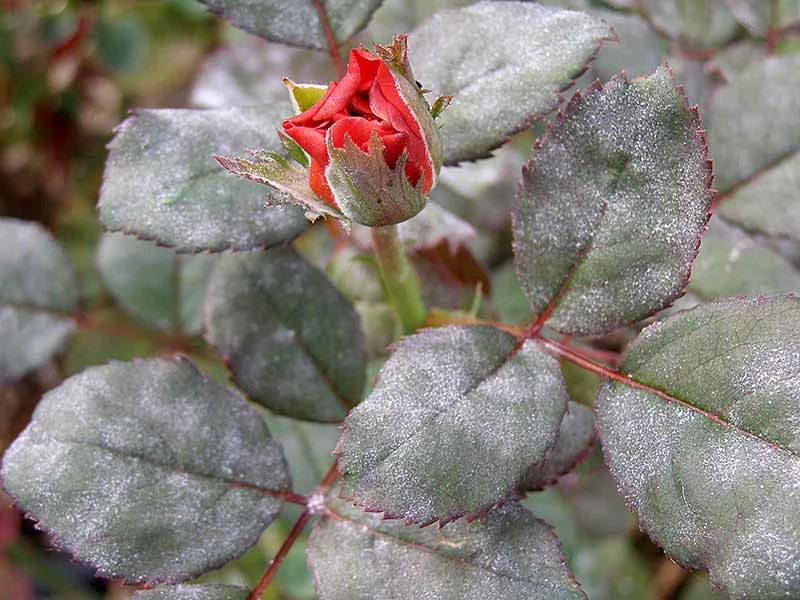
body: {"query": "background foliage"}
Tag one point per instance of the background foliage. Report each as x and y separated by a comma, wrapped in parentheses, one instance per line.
(70, 71)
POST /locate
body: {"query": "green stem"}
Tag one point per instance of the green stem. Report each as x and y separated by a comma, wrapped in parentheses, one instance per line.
(399, 278)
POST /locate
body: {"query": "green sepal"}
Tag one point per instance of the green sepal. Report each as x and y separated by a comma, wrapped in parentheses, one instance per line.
(272, 169)
(304, 95)
(293, 149)
(366, 189)
(438, 106)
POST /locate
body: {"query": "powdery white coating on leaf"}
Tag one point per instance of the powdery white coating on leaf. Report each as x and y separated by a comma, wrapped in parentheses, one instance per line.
(292, 341)
(638, 51)
(732, 262)
(505, 64)
(754, 136)
(705, 23)
(456, 417)
(34, 270)
(148, 471)
(610, 208)
(507, 555)
(248, 72)
(296, 22)
(161, 182)
(433, 226)
(760, 17)
(194, 592)
(35, 273)
(770, 204)
(720, 492)
(427, 229)
(28, 339)
(575, 438)
(154, 284)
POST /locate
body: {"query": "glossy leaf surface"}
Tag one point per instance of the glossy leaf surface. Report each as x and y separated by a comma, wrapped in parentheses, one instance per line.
(297, 22)
(612, 205)
(710, 461)
(161, 182)
(507, 555)
(488, 407)
(505, 64)
(292, 341)
(36, 278)
(148, 471)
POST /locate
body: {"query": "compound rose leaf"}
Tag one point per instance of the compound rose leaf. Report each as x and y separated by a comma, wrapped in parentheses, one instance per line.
(293, 342)
(154, 284)
(38, 290)
(575, 437)
(757, 159)
(206, 591)
(297, 22)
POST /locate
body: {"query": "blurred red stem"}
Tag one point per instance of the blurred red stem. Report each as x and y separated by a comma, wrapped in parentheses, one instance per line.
(333, 49)
(266, 578)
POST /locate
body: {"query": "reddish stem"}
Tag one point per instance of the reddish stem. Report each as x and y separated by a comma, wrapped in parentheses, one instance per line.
(333, 49)
(266, 578)
(590, 353)
(328, 480)
(603, 371)
(297, 528)
(575, 357)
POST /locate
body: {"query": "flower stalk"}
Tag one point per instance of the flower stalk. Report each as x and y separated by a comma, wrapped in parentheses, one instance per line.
(399, 278)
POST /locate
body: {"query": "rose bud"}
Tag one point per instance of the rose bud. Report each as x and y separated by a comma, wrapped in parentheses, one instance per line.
(370, 143)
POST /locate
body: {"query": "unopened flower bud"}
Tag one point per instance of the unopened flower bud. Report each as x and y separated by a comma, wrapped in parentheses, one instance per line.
(373, 149)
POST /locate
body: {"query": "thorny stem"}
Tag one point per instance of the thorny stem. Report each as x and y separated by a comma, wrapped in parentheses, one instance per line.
(294, 533)
(330, 40)
(399, 278)
(266, 578)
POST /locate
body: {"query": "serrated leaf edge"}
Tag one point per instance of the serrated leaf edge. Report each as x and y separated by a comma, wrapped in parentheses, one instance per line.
(561, 115)
(58, 543)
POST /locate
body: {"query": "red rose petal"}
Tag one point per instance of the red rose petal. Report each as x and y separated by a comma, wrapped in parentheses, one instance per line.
(358, 129)
(310, 139)
(318, 183)
(417, 151)
(368, 65)
(346, 89)
(394, 145)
